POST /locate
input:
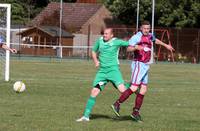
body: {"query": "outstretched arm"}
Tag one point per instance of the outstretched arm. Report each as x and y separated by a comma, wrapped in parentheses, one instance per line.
(4, 46)
(94, 57)
(159, 42)
(133, 48)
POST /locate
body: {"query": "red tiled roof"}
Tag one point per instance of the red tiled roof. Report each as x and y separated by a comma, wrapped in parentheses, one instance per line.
(50, 30)
(74, 14)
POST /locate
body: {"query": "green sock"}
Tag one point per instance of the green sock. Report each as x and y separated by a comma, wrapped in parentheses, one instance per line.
(90, 103)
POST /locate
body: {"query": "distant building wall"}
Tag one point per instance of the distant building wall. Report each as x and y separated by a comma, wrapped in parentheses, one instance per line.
(82, 41)
(97, 22)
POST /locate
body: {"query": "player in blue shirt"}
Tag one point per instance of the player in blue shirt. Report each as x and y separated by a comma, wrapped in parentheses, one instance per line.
(4, 46)
(141, 45)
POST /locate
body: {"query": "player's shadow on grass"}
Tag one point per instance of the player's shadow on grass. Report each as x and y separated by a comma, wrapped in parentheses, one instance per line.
(114, 118)
(122, 118)
(100, 116)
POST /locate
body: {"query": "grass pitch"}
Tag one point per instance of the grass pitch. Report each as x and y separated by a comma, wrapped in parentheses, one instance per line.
(57, 92)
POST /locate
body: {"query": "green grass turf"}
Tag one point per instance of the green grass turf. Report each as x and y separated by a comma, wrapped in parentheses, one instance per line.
(57, 92)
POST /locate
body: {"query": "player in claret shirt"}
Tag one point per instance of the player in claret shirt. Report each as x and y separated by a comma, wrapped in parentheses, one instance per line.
(141, 44)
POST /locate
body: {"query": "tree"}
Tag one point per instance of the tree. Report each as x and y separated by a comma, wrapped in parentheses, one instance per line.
(182, 13)
(17, 14)
(126, 10)
(170, 13)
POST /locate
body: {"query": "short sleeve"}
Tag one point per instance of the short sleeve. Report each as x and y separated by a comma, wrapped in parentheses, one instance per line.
(135, 39)
(96, 45)
(1, 40)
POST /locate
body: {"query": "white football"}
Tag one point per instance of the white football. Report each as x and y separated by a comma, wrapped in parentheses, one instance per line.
(19, 86)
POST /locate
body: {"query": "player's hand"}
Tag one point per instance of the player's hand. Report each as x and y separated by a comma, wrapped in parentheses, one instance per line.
(139, 47)
(97, 64)
(13, 50)
(169, 47)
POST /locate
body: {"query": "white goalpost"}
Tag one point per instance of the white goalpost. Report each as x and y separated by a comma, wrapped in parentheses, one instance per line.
(5, 16)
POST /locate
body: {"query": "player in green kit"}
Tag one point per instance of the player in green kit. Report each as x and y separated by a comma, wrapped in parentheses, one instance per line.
(105, 57)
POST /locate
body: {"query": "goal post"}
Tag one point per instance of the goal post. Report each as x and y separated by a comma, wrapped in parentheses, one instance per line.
(5, 21)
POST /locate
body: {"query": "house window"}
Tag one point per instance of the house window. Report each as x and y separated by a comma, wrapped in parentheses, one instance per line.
(27, 40)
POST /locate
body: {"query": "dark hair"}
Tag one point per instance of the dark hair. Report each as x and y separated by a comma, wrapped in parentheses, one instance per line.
(145, 23)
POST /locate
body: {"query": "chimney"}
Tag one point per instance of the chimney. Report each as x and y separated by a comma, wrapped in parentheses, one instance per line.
(86, 1)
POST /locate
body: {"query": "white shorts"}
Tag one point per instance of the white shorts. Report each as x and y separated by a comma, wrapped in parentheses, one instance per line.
(139, 73)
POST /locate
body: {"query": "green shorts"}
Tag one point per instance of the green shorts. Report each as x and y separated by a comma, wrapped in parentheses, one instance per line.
(109, 74)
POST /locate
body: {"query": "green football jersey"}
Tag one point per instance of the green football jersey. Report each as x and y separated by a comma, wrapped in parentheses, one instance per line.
(108, 51)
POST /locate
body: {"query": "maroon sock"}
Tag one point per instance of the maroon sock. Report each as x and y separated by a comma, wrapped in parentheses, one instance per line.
(138, 103)
(124, 96)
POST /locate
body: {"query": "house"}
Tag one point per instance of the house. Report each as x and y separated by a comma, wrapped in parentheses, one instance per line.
(84, 20)
(44, 40)
(76, 17)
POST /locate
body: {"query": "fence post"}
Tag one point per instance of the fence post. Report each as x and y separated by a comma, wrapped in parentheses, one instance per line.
(177, 40)
(19, 42)
(198, 41)
(88, 43)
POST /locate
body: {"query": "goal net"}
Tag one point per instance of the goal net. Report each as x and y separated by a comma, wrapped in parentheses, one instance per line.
(5, 38)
